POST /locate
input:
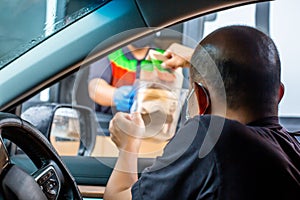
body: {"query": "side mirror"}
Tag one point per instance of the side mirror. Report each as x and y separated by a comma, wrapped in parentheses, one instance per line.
(70, 129)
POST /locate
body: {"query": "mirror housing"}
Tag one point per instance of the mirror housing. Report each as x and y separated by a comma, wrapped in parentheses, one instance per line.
(64, 122)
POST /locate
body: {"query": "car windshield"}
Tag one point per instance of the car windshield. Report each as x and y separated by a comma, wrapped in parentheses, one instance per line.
(24, 24)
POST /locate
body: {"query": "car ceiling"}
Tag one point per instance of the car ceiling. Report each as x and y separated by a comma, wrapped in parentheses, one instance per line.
(98, 32)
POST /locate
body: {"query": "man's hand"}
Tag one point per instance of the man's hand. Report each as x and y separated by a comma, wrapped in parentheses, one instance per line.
(174, 61)
(123, 98)
(126, 131)
(178, 56)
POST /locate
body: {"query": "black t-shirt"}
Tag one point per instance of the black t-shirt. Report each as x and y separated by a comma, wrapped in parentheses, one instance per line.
(214, 158)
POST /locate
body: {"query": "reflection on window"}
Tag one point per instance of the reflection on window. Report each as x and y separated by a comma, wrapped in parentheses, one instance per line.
(24, 24)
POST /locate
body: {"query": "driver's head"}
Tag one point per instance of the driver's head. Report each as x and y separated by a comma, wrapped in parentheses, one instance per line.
(247, 62)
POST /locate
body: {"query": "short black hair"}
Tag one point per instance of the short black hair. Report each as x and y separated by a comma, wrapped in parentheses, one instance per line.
(248, 63)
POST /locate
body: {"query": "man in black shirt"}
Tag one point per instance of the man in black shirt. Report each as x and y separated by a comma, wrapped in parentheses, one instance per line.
(234, 148)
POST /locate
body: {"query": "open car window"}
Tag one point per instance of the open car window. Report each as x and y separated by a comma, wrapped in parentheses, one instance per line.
(73, 90)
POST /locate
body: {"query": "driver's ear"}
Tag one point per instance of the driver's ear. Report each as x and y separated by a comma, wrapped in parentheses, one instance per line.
(280, 92)
(202, 98)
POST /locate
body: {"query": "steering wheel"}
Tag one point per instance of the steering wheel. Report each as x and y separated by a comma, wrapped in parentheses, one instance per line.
(52, 180)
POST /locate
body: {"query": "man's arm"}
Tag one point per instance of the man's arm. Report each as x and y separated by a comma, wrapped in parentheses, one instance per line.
(122, 178)
(126, 131)
(177, 56)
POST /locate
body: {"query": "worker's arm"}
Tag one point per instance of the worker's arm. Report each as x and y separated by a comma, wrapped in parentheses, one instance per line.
(106, 95)
(101, 92)
(126, 132)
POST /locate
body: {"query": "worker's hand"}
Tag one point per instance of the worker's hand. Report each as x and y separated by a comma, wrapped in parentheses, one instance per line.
(174, 61)
(127, 130)
(123, 98)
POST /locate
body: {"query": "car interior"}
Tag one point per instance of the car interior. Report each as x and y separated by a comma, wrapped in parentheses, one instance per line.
(47, 92)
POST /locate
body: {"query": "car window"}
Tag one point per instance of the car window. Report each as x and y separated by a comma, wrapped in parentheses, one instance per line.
(36, 21)
(74, 89)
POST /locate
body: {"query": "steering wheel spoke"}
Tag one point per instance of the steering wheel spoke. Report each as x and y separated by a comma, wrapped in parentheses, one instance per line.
(48, 178)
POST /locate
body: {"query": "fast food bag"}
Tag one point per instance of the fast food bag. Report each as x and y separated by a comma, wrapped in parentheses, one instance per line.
(159, 98)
